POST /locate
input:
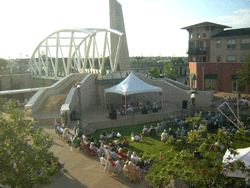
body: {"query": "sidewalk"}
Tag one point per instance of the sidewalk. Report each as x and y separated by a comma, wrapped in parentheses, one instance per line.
(83, 170)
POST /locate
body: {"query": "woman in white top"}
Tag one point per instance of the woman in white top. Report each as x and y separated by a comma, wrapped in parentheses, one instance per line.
(135, 158)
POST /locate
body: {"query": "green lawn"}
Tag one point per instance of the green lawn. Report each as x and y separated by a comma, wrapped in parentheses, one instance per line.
(152, 146)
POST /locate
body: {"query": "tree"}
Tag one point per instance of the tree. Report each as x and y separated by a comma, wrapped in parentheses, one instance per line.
(154, 72)
(203, 166)
(24, 160)
(3, 63)
(244, 74)
(170, 70)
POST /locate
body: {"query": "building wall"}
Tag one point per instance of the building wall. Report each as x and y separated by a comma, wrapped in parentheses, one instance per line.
(193, 70)
(223, 70)
(224, 52)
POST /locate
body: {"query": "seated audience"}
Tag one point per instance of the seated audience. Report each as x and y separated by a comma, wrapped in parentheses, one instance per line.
(107, 151)
(135, 158)
(178, 132)
(126, 169)
(171, 133)
(152, 131)
(120, 154)
(84, 137)
(69, 138)
(118, 144)
(145, 130)
(134, 172)
(132, 137)
(164, 123)
(114, 133)
(118, 165)
(141, 137)
(113, 154)
(164, 136)
(183, 132)
(158, 128)
(129, 155)
(76, 141)
(103, 160)
(125, 142)
(137, 137)
(93, 147)
(109, 165)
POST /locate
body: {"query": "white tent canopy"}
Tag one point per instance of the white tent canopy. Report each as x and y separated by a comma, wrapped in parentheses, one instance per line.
(132, 85)
(243, 155)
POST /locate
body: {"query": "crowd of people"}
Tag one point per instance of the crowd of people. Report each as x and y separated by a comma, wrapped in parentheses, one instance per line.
(136, 106)
(109, 149)
(110, 146)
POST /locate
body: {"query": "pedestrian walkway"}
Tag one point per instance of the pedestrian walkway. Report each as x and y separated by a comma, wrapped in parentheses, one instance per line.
(83, 170)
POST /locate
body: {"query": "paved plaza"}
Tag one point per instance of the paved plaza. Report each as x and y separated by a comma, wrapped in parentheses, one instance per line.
(83, 170)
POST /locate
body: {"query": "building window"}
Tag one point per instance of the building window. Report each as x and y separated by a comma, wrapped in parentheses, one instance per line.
(210, 81)
(231, 58)
(191, 36)
(218, 44)
(218, 58)
(231, 44)
(242, 58)
(194, 59)
(245, 43)
(198, 36)
(203, 59)
(204, 35)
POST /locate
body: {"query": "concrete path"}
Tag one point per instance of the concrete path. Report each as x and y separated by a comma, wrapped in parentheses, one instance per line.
(83, 170)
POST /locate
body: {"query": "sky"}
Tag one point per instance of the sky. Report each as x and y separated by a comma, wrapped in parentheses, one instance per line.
(153, 27)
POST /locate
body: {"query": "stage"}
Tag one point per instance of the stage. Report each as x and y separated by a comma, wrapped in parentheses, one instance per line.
(98, 118)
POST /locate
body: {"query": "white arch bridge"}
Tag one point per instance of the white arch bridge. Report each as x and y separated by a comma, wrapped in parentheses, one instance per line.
(77, 51)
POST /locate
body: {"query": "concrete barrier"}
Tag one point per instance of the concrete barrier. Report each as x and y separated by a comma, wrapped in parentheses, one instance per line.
(39, 98)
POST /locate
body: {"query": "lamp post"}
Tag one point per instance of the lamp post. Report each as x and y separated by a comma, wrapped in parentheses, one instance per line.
(78, 86)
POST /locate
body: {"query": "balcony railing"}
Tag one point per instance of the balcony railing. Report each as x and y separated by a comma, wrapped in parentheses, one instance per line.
(197, 51)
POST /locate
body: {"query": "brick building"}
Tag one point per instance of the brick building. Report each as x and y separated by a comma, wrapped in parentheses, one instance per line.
(215, 55)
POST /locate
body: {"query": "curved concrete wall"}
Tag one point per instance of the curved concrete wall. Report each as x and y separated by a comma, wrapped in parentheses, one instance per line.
(88, 96)
(59, 87)
(173, 92)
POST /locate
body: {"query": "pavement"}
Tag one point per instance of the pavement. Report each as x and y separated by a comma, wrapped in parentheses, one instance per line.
(83, 169)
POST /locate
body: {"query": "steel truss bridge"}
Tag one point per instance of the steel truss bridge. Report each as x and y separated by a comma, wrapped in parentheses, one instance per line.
(76, 51)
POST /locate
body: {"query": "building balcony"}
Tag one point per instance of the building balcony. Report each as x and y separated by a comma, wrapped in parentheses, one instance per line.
(197, 51)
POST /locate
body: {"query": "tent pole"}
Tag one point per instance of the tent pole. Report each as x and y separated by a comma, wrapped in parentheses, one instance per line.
(125, 105)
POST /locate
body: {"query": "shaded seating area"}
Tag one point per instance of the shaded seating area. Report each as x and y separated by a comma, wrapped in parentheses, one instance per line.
(133, 85)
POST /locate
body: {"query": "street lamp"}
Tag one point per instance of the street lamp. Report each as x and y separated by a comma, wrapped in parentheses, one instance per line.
(78, 86)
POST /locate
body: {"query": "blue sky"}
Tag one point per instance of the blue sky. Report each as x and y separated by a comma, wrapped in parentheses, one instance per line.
(152, 26)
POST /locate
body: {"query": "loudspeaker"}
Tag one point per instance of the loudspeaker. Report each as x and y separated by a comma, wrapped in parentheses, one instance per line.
(112, 114)
(184, 104)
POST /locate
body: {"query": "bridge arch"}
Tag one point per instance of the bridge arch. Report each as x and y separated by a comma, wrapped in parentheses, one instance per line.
(75, 50)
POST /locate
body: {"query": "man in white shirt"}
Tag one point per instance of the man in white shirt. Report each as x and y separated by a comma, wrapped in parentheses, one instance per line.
(164, 136)
(137, 137)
